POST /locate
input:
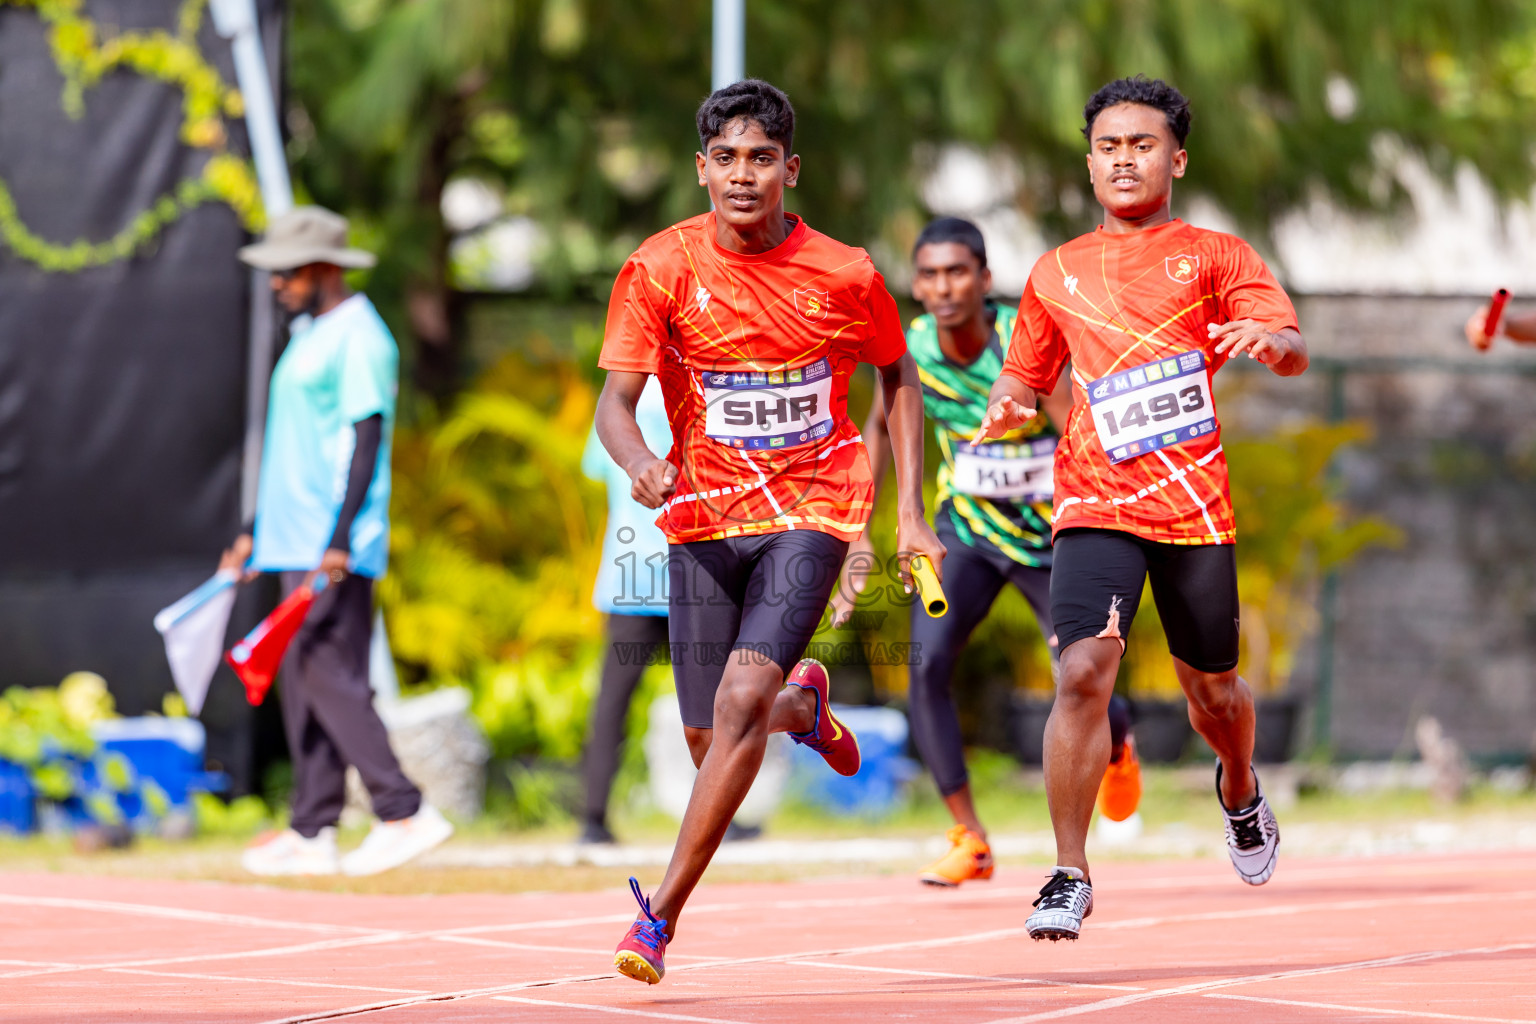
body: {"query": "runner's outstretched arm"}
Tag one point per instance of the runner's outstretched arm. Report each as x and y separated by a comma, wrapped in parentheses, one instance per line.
(1516, 328)
(1010, 405)
(1284, 351)
(653, 479)
(904, 421)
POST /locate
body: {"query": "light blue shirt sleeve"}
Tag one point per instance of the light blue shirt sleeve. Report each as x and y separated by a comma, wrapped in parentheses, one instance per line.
(629, 579)
(368, 375)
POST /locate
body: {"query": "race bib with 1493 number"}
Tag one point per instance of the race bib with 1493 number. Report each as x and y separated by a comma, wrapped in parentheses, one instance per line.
(1154, 405)
(768, 410)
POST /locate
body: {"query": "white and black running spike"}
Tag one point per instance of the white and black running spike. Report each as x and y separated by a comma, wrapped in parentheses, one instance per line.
(1066, 899)
(1253, 835)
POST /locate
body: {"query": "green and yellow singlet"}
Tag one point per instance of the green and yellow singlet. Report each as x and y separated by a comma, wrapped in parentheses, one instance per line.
(997, 495)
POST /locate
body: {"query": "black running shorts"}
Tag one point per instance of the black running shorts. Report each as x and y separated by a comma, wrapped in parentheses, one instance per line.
(1096, 583)
(750, 599)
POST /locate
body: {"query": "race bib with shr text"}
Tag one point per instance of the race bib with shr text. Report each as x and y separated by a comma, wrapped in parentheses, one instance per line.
(768, 410)
(1154, 405)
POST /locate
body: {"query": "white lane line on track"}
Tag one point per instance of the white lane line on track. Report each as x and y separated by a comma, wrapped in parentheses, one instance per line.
(973, 937)
(436, 997)
(998, 979)
(266, 981)
(979, 895)
(471, 940)
(996, 934)
(180, 914)
(388, 937)
(1287, 909)
(1304, 972)
(193, 958)
(734, 962)
(1131, 923)
(1422, 1014)
(845, 902)
(626, 1010)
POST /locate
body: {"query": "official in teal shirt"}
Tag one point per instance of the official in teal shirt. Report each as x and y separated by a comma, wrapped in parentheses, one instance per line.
(340, 370)
(322, 513)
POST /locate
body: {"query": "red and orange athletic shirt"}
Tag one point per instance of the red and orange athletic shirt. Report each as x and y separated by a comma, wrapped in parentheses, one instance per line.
(1142, 449)
(754, 355)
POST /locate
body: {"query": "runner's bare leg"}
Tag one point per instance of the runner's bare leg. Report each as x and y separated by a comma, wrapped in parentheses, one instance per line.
(744, 706)
(794, 710)
(1221, 710)
(1077, 743)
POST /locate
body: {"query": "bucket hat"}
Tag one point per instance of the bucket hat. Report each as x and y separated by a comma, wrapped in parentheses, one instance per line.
(304, 235)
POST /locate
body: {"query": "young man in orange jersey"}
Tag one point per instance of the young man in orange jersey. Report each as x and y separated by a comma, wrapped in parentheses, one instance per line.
(753, 323)
(994, 508)
(1147, 308)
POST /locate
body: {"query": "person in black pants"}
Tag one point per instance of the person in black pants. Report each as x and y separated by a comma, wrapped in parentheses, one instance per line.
(322, 518)
(629, 589)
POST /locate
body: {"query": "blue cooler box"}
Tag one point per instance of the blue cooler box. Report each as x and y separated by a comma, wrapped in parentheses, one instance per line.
(883, 772)
(168, 751)
(18, 812)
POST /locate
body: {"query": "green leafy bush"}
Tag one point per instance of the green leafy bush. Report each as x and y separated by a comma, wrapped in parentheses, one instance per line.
(495, 540)
(41, 727)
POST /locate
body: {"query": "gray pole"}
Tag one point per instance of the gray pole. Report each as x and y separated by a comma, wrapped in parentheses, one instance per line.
(235, 20)
(730, 43)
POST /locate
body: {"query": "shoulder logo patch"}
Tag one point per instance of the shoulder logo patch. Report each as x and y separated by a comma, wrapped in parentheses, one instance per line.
(1070, 281)
(1182, 268)
(702, 298)
(812, 303)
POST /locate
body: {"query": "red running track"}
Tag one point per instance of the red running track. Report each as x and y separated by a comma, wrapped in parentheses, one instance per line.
(1387, 939)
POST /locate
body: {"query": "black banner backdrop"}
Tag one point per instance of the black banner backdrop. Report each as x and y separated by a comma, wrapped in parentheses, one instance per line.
(122, 387)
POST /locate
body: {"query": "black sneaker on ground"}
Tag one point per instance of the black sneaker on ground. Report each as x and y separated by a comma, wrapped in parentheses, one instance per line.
(595, 833)
(1066, 899)
(1253, 835)
(735, 833)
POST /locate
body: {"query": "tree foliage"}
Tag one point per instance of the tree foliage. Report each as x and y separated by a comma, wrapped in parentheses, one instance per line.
(582, 110)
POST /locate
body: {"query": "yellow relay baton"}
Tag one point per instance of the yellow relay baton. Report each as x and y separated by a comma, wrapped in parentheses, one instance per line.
(928, 589)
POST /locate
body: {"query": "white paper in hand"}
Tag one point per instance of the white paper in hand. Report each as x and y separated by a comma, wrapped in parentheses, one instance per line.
(193, 629)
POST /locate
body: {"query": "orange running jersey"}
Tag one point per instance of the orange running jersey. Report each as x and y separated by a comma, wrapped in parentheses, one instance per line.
(1142, 449)
(754, 355)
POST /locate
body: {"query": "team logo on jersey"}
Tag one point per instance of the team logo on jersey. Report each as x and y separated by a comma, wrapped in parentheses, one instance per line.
(812, 303)
(1182, 268)
(702, 298)
(1070, 282)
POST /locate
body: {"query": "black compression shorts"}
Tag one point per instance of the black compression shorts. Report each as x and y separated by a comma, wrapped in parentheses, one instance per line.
(752, 599)
(1096, 585)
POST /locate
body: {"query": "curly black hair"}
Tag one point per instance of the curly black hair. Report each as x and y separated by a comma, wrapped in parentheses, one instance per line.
(1149, 92)
(953, 229)
(749, 100)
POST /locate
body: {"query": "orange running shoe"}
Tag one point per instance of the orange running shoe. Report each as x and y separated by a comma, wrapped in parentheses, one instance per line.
(969, 857)
(1120, 791)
